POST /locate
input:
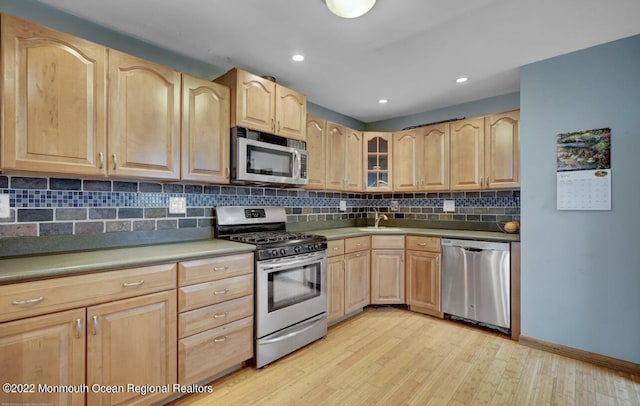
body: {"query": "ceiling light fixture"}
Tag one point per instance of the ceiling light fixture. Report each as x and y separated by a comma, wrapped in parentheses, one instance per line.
(349, 8)
(383, 101)
(298, 57)
(461, 80)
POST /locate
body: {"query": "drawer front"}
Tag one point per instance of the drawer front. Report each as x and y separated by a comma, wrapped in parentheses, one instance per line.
(208, 293)
(357, 244)
(387, 242)
(45, 296)
(208, 353)
(211, 269)
(335, 248)
(199, 320)
(420, 243)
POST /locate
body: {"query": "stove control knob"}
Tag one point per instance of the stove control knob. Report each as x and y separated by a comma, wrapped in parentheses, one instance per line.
(283, 251)
(296, 249)
(310, 247)
(274, 253)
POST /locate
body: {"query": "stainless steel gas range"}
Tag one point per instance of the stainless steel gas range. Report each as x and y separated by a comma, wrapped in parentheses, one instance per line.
(290, 279)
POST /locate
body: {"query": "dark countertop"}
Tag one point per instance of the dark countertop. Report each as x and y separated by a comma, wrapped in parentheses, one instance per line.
(66, 264)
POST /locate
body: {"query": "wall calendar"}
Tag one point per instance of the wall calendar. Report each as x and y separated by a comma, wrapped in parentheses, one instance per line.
(584, 170)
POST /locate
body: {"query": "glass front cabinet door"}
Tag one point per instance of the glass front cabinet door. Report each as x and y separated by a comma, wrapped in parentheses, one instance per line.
(377, 155)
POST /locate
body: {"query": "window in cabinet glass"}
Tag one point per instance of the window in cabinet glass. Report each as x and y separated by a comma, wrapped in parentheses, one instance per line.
(377, 162)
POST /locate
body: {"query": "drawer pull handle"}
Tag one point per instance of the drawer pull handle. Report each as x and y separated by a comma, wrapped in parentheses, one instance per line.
(28, 301)
(220, 339)
(358, 254)
(422, 244)
(131, 284)
(78, 327)
(94, 329)
(221, 292)
(101, 158)
(115, 161)
(336, 248)
(220, 268)
(221, 316)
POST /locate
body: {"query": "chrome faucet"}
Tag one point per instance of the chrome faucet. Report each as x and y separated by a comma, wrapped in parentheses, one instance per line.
(379, 217)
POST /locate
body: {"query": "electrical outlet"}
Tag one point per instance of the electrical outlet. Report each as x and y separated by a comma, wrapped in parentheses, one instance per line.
(343, 205)
(4, 206)
(449, 206)
(177, 205)
(394, 206)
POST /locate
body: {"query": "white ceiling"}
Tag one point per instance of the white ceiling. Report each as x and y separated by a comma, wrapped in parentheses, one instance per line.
(408, 51)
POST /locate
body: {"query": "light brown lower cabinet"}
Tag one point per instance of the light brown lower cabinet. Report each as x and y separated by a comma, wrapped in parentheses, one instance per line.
(131, 342)
(356, 281)
(387, 269)
(47, 350)
(423, 275)
(335, 288)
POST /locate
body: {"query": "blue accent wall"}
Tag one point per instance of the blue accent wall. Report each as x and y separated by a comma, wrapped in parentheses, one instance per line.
(323, 112)
(581, 269)
(476, 108)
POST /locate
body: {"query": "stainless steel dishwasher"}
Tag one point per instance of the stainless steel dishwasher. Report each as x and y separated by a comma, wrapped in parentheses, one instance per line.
(476, 282)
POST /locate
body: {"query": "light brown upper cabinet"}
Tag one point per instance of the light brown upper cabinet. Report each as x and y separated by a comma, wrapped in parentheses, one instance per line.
(316, 130)
(54, 101)
(502, 150)
(421, 159)
(336, 144)
(467, 154)
(263, 105)
(485, 152)
(377, 156)
(353, 161)
(144, 118)
(205, 130)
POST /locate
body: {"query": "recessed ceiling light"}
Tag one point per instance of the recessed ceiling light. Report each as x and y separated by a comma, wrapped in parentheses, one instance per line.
(461, 80)
(383, 101)
(298, 57)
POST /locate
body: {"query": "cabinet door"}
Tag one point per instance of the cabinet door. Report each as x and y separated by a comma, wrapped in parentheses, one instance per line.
(435, 158)
(316, 152)
(377, 153)
(467, 154)
(205, 130)
(291, 113)
(502, 150)
(356, 281)
(335, 165)
(54, 101)
(144, 118)
(132, 341)
(353, 161)
(407, 146)
(423, 282)
(255, 102)
(335, 288)
(44, 350)
(387, 276)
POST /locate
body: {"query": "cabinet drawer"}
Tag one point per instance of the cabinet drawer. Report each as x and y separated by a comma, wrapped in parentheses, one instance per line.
(335, 248)
(204, 294)
(357, 244)
(211, 269)
(196, 321)
(387, 242)
(420, 243)
(208, 353)
(45, 296)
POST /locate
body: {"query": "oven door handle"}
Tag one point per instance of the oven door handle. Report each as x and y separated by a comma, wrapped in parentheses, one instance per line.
(308, 325)
(289, 264)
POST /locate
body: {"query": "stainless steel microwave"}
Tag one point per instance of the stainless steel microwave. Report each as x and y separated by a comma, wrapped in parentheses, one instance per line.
(267, 159)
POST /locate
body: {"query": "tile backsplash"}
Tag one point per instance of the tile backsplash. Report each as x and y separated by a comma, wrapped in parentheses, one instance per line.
(55, 206)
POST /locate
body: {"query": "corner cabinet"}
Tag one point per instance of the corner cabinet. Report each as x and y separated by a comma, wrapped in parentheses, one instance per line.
(387, 269)
(144, 118)
(377, 157)
(263, 105)
(316, 135)
(205, 131)
(54, 101)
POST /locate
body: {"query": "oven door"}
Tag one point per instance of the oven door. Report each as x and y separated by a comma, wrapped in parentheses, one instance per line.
(290, 290)
(259, 161)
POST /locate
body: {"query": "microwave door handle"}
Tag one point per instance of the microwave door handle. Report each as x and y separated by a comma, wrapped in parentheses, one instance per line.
(296, 164)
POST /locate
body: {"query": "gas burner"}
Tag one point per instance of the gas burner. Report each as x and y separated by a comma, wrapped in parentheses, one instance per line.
(269, 237)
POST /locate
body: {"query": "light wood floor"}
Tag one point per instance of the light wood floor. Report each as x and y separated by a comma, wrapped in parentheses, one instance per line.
(389, 356)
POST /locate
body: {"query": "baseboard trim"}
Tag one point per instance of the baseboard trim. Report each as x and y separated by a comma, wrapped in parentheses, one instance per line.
(581, 355)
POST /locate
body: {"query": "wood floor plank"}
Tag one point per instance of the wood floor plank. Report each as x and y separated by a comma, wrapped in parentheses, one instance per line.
(389, 356)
